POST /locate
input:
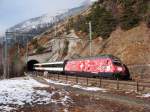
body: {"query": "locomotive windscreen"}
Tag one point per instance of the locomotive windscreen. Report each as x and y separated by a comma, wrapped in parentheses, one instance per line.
(117, 63)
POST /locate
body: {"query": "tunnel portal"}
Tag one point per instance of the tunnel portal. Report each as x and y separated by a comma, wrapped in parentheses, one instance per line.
(30, 65)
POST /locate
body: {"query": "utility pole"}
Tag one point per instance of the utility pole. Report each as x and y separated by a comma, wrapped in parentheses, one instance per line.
(90, 35)
(18, 49)
(6, 62)
(8, 59)
(27, 52)
(5, 57)
(55, 23)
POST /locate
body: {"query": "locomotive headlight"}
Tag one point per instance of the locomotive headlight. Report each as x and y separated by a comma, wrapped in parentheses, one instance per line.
(119, 69)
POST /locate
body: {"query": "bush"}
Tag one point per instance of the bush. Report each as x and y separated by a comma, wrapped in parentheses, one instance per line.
(40, 49)
(127, 3)
(34, 42)
(81, 24)
(142, 7)
(103, 22)
(147, 14)
(128, 14)
(147, 20)
(65, 50)
(129, 19)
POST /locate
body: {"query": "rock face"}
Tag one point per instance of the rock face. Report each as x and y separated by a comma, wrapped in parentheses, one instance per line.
(132, 47)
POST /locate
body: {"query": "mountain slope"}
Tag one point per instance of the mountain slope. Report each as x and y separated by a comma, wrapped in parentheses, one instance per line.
(35, 26)
(45, 21)
(130, 45)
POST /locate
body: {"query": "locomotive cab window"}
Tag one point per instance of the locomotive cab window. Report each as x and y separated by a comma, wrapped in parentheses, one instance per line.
(117, 63)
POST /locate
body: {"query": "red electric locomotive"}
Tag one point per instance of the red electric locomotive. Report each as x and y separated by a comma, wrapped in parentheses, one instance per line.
(106, 66)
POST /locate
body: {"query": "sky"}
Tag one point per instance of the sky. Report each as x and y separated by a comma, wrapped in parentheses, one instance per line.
(13, 12)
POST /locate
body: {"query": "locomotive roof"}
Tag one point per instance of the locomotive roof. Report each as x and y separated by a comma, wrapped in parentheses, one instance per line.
(99, 56)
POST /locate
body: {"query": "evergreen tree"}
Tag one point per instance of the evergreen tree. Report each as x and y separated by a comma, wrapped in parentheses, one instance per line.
(103, 23)
(129, 19)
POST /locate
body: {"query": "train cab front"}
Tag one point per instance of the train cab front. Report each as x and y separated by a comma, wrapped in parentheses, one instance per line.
(121, 71)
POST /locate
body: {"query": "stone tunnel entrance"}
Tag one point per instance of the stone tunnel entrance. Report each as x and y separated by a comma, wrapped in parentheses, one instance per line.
(30, 65)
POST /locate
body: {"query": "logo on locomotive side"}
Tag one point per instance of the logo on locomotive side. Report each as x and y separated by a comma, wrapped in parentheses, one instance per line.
(104, 67)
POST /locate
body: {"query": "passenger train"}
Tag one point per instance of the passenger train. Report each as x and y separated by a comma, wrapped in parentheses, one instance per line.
(107, 66)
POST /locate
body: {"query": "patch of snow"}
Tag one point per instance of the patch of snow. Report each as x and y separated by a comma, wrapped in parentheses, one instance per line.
(57, 82)
(76, 86)
(64, 102)
(89, 2)
(131, 91)
(145, 95)
(66, 110)
(93, 0)
(65, 99)
(19, 92)
(33, 26)
(15, 93)
(6, 108)
(89, 88)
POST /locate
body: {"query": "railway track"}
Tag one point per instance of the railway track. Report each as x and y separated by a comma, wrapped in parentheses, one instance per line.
(138, 86)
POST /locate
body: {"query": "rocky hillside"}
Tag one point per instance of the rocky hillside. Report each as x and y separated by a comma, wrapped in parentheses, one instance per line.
(116, 30)
(131, 46)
